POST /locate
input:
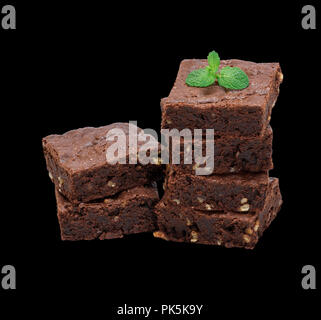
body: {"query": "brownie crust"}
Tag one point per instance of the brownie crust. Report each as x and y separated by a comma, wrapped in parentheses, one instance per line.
(77, 165)
(128, 213)
(229, 229)
(244, 112)
(242, 193)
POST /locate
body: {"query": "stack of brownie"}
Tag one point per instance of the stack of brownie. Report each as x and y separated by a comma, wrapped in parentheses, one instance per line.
(238, 200)
(95, 199)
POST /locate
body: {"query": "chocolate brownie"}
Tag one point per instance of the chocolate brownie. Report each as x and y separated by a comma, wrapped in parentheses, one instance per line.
(129, 212)
(77, 164)
(233, 192)
(244, 112)
(231, 154)
(229, 229)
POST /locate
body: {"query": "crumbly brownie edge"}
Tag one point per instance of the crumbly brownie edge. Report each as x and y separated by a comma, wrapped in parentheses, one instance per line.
(231, 155)
(110, 180)
(61, 177)
(273, 95)
(250, 121)
(234, 192)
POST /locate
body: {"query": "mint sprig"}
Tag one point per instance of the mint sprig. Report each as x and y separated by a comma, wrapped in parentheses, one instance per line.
(230, 77)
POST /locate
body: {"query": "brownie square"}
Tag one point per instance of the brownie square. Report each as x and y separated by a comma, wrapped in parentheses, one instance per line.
(127, 213)
(244, 112)
(77, 164)
(229, 229)
(234, 192)
(231, 154)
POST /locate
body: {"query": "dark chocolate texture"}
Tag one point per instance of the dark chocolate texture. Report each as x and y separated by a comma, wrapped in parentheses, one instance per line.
(127, 213)
(229, 229)
(231, 154)
(233, 192)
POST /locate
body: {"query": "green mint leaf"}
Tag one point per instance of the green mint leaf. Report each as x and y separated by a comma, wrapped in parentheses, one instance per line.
(203, 77)
(233, 78)
(229, 77)
(213, 61)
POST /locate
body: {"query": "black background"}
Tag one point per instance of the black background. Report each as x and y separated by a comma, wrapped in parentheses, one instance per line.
(88, 64)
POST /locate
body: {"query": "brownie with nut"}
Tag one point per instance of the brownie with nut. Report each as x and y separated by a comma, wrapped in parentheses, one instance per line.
(232, 154)
(244, 112)
(130, 212)
(76, 161)
(228, 229)
(242, 192)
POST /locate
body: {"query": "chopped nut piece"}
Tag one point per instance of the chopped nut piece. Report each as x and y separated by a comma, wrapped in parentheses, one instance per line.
(246, 238)
(157, 161)
(208, 206)
(256, 226)
(200, 199)
(188, 222)
(195, 166)
(111, 184)
(237, 154)
(244, 207)
(280, 76)
(107, 200)
(160, 234)
(176, 201)
(194, 236)
(248, 231)
(232, 169)
(116, 218)
(219, 242)
(50, 176)
(169, 121)
(60, 181)
(243, 200)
